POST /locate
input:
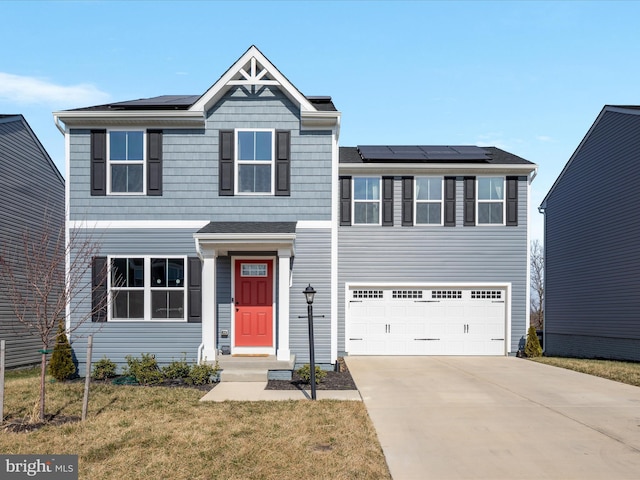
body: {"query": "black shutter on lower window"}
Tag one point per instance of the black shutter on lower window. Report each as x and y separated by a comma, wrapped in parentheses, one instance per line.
(98, 162)
(449, 201)
(283, 163)
(154, 162)
(99, 289)
(469, 201)
(225, 167)
(387, 201)
(407, 201)
(512, 201)
(194, 290)
(345, 200)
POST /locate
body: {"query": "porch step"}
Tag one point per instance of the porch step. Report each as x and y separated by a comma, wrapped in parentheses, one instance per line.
(250, 369)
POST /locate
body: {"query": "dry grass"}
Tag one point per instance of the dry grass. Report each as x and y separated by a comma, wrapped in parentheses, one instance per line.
(166, 433)
(624, 372)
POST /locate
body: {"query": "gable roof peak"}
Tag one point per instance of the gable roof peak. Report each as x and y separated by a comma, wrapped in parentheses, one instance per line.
(253, 68)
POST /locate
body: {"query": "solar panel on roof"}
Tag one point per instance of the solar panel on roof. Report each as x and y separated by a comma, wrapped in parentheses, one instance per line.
(423, 152)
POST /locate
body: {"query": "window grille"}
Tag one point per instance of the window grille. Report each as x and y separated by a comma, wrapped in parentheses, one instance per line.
(407, 294)
(446, 294)
(367, 294)
(486, 294)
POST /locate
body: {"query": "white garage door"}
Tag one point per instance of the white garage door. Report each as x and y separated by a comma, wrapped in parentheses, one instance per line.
(433, 321)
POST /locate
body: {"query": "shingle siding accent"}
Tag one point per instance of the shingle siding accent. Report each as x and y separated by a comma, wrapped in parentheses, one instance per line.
(592, 251)
(191, 172)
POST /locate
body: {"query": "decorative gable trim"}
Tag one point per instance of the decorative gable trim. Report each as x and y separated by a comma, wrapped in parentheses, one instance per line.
(251, 69)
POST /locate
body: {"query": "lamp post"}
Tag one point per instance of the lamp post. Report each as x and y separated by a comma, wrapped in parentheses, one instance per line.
(309, 293)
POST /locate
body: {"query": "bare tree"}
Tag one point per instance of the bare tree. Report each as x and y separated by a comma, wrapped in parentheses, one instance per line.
(40, 289)
(537, 284)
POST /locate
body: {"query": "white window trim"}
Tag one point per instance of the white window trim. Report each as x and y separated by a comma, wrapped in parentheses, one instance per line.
(147, 290)
(504, 202)
(237, 162)
(354, 201)
(142, 162)
(416, 202)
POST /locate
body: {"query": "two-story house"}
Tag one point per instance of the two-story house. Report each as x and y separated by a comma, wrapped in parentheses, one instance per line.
(214, 212)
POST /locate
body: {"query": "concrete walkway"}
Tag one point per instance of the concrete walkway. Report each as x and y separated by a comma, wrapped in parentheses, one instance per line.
(498, 418)
(255, 391)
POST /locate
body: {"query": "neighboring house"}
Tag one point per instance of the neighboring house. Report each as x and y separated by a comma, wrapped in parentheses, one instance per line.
(31, 199)
(592, 244)
(216, 211)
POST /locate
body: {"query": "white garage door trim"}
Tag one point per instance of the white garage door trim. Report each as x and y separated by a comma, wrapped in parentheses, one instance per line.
(411, 287)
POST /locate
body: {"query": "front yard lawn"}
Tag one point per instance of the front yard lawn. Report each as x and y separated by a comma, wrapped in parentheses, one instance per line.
(166, 433)
(624, 372)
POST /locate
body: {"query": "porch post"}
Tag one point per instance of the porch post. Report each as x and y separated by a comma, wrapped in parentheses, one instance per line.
(209, 304)
(284, 262)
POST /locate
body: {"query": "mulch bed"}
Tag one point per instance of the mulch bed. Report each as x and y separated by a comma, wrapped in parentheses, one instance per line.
(336, 380)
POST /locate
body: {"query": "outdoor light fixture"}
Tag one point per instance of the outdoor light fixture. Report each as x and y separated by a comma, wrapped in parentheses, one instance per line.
(309, 293)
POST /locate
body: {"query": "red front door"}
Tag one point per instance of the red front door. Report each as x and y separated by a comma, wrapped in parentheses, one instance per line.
(254, 303)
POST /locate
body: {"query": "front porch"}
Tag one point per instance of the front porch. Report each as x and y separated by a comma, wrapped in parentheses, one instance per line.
(254, 368)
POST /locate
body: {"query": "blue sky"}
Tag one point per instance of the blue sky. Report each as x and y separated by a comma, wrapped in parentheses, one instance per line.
(526, 76)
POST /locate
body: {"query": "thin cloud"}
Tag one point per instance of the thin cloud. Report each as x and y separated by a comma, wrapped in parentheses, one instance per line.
(544, 138)
(30, 90)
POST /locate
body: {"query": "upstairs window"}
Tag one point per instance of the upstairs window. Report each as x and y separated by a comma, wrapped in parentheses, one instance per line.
(366, 201)
(126, 162)
(428, 198)
(254, 162)
(490, 202)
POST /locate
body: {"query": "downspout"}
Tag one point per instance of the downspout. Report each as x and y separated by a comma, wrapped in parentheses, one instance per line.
(201, 346)
(542, 209)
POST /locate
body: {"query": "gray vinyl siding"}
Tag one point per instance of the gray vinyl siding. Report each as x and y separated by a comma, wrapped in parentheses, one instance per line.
(438, 254)
(31, 197)
(172, 340)
(190, 170)
(167, 340)
(312, 265)
(592, 246)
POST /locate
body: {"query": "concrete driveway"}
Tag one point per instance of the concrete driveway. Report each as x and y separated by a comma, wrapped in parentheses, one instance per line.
(498, 418)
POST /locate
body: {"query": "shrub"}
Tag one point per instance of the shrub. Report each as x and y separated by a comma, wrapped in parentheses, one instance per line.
(304, 372)
(103, 369)
(61, 366)
(532, 347)
(145, 369)
(176, 369)
(202, 374)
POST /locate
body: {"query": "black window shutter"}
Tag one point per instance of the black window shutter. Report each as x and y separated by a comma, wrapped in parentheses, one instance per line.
(283, 163)
(469, 201)
(449, 201)
(154, 162)
(98, 162)
(387, 201)
(512, 201)
(99, 289)
(345, 200)
(194, 291)
(225, 169)
(407, 201)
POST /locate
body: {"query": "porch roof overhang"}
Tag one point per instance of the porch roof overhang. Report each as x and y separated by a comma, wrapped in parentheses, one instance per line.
(223, 237)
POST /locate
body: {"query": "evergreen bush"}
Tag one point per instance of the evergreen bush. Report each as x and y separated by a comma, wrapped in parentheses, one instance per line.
(532, 347)
(61, 366)
(177, 369)
(304, 373)
(202, 374)
(103, 369)
(144, 369)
